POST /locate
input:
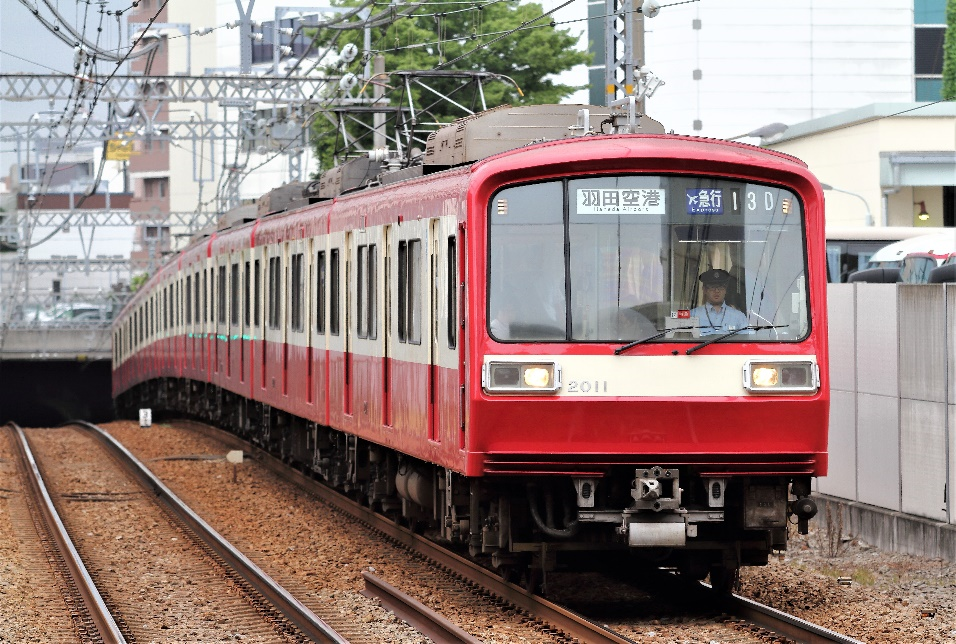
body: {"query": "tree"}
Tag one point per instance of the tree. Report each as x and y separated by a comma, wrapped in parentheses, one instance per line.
(949, 53)
(453, 38)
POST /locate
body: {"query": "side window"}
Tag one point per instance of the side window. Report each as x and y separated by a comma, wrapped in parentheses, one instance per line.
(296, 288)
(234, 296)
(257, 296)
(196, 296)
(275, 292)
(452, 292)
(320, 292)
(221, 302)
(372, 291)
(245, 296)
(334, 294)
(409, 291)
(367, 292)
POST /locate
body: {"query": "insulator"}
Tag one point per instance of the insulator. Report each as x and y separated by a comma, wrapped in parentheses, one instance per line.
(348, 53)
(348, 82)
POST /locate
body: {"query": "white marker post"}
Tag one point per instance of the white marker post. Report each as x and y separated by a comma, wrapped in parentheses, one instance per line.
(234, 457)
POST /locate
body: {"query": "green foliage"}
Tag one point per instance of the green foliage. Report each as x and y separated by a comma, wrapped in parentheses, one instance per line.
(136, 281)
(524, 59)
(949, 53)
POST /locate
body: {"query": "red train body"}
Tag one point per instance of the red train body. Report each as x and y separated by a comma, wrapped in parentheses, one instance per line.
(360, 338)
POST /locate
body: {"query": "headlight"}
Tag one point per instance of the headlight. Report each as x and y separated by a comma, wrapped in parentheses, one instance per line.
(521, 377)
(781, 377)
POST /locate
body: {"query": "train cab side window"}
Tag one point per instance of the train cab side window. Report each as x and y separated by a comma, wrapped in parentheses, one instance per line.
(320, 292)
(334, 292)
(296, 291)
(234, 295)
(452, 295)
(409, 289)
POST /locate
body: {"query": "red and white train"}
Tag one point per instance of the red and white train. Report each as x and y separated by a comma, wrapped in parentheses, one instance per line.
(502, 345)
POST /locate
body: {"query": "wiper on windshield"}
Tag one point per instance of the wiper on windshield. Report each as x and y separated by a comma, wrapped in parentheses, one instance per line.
(733, 333)
(630, 345)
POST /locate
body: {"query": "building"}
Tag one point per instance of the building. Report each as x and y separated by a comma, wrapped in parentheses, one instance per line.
(733, 66)
(184, 176)
(891, 163)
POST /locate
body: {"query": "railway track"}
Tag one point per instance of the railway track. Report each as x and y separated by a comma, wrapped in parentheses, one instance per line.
(89, 614)
(742, 614)
(226, 592)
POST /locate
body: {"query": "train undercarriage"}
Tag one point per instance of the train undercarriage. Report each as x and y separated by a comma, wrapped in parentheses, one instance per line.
(641, 514)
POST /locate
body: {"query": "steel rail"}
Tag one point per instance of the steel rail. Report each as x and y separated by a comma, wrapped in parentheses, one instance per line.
(573, 625)
(291, 608)
(98, 611)
(782, 623)
(415, 613)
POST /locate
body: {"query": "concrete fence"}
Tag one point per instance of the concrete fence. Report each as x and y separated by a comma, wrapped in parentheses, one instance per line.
(893, 414)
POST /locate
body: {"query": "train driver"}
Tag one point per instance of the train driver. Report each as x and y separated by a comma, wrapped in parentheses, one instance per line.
(715, 315)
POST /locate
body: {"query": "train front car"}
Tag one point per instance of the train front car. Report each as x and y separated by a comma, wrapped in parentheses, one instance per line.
(649, 362)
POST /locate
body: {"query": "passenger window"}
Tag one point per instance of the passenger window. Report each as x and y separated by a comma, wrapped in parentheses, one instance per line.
(334, 295)
(452, 292)
(409, 291)
(296, 288)
(320, 292)
(234, 299)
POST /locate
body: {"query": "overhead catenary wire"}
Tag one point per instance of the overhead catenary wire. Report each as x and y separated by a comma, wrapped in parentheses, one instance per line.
(78, 39)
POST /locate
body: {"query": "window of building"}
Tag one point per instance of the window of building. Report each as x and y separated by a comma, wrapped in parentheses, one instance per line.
(156, 188)
(928, 55)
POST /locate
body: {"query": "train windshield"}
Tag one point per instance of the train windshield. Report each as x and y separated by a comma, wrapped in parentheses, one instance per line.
(623, 258)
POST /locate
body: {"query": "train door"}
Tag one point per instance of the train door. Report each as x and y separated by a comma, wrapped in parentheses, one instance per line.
(445, 375)
(232, 315)
(319, 339)
(273, 298)
(412, 332)
(308, 310)
(260, 310)
(338, 350)
(366, 328)
(349, 316)
(388, 295)
(297, 352)
(207, 273)
(195, 345)
(245, 267)
(221, 291)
